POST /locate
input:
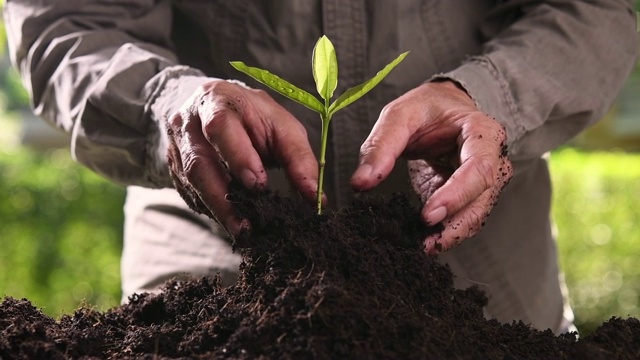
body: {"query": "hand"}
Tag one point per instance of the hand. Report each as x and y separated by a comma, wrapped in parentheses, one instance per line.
(457, 158)
(226, 129)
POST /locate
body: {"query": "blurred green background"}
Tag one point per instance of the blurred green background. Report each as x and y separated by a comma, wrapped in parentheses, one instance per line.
(61, 225)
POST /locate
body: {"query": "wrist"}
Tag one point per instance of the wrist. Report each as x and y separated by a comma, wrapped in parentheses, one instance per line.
(451, 88)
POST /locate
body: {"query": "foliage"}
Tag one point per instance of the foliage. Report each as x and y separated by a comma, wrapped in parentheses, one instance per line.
(15, 96)
(61, 230)
(595, 206)
(325, 73)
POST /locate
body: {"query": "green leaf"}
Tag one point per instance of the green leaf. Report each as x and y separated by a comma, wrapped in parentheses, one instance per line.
(325, 68)
(357, 92)
(281, 86)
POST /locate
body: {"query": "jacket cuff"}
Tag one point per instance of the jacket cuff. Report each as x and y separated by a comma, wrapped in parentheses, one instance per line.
(490, 92)
(181, 84)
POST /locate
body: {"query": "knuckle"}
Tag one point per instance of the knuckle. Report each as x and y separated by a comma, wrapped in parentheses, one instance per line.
(391, 108)
(475, 218)
(260, 93)
(370, 145)
(218, 86)
(175, 121)
(486, 169)
(299, 129)
(221, 94)
(366, 148)
(467, 225)
(217, 119)
(192, 165)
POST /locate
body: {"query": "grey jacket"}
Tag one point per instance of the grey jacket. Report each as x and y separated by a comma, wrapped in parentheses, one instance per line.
(107, 73)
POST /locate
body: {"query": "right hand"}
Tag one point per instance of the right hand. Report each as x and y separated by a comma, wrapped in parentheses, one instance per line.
(457, 158)
(226, 129)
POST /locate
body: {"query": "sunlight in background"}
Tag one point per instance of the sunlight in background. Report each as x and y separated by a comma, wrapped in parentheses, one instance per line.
(595, 206)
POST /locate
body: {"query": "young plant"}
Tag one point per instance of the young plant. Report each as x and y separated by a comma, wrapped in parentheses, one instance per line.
(325, 73)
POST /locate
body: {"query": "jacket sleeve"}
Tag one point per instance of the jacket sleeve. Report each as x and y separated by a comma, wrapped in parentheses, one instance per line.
(98, 70)
(553, 70)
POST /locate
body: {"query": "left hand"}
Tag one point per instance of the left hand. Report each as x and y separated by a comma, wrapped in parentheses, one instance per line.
(457, 158)
(225, 129)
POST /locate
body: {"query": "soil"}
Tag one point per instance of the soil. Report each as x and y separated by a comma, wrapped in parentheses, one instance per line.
(353, 283)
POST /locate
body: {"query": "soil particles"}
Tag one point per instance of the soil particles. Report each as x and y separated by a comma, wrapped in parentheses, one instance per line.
(353, 283)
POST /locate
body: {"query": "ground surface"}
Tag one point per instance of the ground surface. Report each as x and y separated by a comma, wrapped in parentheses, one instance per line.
(349, 284)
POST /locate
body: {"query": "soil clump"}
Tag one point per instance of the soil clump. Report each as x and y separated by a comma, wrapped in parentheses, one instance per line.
(350, 284)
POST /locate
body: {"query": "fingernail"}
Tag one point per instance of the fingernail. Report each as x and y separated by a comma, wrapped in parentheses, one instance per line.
(436, 216)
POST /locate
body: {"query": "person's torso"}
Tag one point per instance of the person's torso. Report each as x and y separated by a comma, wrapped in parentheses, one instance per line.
(279, 36)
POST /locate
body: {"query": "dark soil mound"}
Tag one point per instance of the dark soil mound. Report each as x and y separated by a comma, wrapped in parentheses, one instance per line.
(350, 284)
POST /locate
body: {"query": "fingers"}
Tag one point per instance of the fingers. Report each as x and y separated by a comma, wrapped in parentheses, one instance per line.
(468, 221)
(419, 124)
(290, 149)
(199, 174)
(424, 178)
(250, 130)
(481, 159)
(383, 146)
(458, 159)
(461, 226)
(224, 128)
(295, 155)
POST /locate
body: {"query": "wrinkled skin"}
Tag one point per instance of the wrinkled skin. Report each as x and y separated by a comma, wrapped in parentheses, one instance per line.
(226, 128)
(457, 158)
(458, 164)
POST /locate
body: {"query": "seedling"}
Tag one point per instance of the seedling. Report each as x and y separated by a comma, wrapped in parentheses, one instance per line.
(325, 73)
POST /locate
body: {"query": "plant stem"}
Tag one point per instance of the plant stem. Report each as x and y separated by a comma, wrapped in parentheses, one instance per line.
(326, 119)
